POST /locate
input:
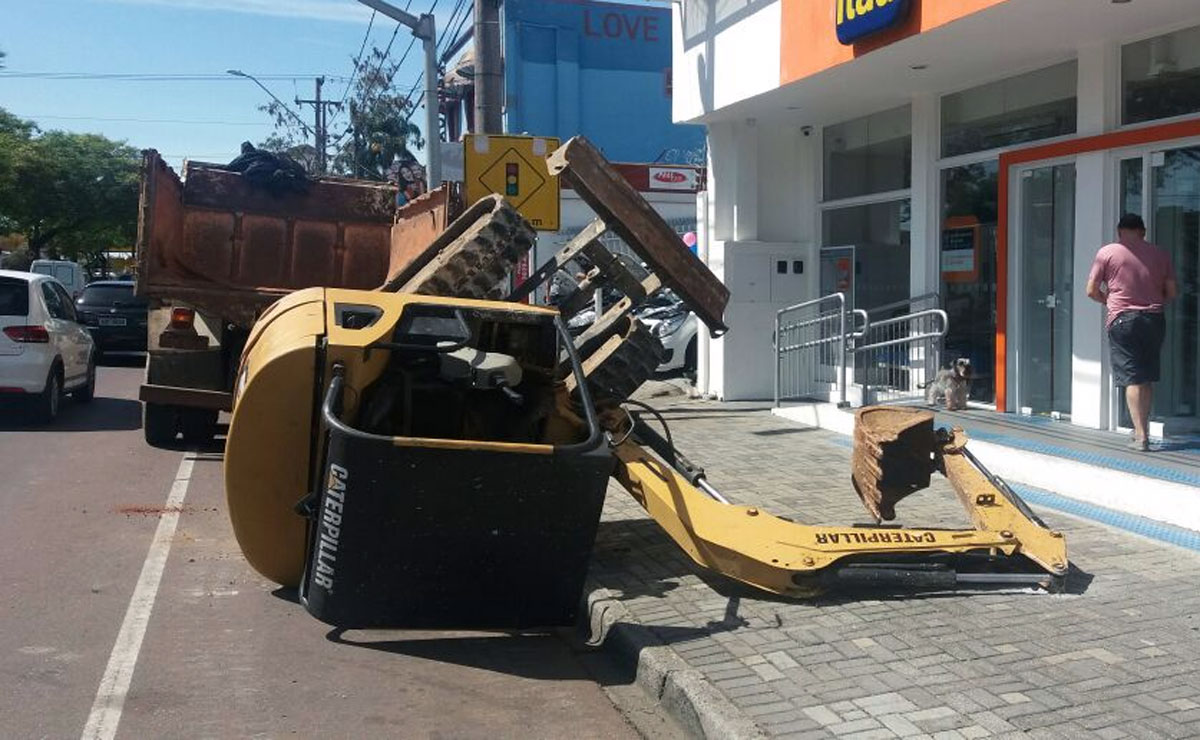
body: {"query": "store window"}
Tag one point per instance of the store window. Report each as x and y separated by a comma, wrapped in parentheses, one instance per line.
(968, 270)
(868, 251)
(1028, 107)
(872, 154)
(1160, 77)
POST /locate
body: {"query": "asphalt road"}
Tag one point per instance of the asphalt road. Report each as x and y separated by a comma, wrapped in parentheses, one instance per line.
(223, 653)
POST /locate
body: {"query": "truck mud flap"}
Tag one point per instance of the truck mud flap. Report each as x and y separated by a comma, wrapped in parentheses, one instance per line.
(396, 542)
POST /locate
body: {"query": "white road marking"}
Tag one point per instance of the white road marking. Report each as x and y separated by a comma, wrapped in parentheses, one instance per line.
(110, 697)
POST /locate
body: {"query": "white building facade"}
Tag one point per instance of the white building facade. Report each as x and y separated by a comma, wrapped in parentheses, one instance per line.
(982, 150)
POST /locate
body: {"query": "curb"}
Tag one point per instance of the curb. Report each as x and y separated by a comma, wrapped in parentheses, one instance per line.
(683, 692)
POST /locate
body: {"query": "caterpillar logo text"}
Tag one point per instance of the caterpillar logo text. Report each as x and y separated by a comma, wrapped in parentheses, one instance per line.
(857, 19)
(330, 528)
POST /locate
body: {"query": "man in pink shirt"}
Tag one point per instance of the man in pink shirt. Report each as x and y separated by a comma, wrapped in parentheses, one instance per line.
(1134, 279)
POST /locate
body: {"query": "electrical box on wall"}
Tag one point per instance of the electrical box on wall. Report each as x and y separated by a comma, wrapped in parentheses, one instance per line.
(767, 273)
(787, 279)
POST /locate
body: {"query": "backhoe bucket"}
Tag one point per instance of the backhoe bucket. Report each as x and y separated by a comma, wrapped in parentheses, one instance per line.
(893, 456)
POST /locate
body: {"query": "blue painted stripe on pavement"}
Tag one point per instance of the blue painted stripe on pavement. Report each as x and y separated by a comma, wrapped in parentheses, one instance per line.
(1091, 458)
(1160, 531)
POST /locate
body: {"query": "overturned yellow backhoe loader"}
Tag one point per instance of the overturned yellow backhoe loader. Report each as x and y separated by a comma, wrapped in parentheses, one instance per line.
(436, 453)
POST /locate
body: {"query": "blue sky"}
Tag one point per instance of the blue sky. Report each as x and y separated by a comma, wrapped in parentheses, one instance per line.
(261, 37)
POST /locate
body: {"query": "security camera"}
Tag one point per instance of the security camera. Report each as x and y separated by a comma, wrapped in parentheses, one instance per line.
(806, 130)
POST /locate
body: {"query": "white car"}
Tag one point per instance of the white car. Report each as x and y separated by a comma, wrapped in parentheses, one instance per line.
(70, 274)
(44, 350)
(676, 327)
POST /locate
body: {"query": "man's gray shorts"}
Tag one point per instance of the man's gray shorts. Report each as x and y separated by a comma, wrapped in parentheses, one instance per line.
(1135, 340)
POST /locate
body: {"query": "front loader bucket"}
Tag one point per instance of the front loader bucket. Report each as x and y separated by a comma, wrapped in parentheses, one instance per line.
(893, 456)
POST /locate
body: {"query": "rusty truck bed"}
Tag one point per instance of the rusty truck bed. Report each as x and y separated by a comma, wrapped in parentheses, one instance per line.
(228, 248)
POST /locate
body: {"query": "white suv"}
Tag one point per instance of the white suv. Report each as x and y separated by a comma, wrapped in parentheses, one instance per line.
(44, 351)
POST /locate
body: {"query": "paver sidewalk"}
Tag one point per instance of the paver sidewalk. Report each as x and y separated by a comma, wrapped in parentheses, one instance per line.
(1118, 656)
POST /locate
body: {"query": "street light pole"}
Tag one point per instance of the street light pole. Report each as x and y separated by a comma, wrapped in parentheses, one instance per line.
(290, 112)
(422, 28)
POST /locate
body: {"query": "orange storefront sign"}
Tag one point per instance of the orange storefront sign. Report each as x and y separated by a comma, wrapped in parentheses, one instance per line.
(809, 35)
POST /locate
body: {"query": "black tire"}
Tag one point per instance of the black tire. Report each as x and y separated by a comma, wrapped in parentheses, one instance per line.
(198, 425)
(45, 406)
(158, 424)
(689, 357)
(86, 392)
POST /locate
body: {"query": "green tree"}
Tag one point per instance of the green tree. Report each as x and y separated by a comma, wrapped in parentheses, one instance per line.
(71, 195)
(375, 132)
(15, 137)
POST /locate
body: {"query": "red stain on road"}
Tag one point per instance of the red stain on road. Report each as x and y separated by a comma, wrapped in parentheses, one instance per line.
(152, 510)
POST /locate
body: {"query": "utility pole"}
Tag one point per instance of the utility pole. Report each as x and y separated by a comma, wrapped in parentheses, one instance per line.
(487, 68)
(423, 28)
(319, 133)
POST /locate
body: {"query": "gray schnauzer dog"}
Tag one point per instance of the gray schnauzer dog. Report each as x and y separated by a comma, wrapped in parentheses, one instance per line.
(950, 386)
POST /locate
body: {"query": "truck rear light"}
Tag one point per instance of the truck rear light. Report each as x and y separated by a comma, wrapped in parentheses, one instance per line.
(182, 318)
(28, 334)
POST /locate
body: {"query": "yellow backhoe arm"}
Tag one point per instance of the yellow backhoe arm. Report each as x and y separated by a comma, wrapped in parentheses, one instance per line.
(787, 558)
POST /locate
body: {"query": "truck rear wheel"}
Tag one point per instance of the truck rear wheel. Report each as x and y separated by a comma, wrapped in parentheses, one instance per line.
(198, 425)
(158, 424)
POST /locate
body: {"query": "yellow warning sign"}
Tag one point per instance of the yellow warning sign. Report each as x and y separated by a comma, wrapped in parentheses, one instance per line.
(514, 167)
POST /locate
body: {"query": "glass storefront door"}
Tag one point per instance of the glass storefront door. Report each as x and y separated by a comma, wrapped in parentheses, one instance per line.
(1045, 249)
(1170, 206)
(1175, 223)
(970, 195)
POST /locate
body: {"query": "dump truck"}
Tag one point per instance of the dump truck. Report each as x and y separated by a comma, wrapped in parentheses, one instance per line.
(436, 453)
(215, 249)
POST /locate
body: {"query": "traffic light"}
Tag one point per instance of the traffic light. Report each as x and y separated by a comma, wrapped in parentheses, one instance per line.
(510, 178)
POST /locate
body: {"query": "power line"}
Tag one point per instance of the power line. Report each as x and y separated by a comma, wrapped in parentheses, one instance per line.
(457, 36)
(413, 108)
(357, 61)
(346, 92)
(410, 45)
(219, 155)
(33, 116)
(449, 23)
(405, 56)
(382, 61)
(148, 77)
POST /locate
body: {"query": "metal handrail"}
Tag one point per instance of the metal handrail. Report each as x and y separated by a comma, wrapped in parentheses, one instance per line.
(841, 338)
(907, 302)
(912, 338)
(803, 329)
(840, 297)
(866, 323)
(920, 329)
